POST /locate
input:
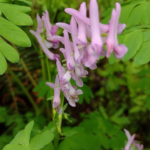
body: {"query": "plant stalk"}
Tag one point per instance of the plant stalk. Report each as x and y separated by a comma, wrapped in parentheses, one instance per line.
(24, 90)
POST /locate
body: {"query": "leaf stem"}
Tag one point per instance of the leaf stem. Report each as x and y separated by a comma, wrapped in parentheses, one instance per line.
(26, 69)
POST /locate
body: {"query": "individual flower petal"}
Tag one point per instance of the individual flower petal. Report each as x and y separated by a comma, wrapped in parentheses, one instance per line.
(120, 51)
(127, 134)
(111, 35)
(59, 38)
(40, 24)
(47, 24)
(69, 52)
(61, 70)
(65, 78)
(96, 39)
(54, 30)
(64, 52)
(56, 100)
(103, 52)
(82, 26)
(48, 53)
(65, 26)
(121, 27)
(73, 26)
(90, 57)
(103, 28)
(50, 85)
(48, 44)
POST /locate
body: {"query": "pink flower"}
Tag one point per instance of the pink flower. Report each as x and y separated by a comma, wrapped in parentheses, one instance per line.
(56, 100)
(50, 30)
(69, 52)
(82, 26)
(112, 41)
(48, 53)
(131, 141)
(96, 40)
(40, 24)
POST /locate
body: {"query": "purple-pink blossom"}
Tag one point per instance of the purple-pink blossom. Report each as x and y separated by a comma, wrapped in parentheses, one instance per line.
(131, 142)
(84, 41)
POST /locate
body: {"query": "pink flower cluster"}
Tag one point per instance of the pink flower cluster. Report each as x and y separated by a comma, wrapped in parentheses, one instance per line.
(84, 50)
(131, 142)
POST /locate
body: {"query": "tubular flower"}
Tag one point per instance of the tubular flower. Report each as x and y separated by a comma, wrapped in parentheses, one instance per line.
(50, 30)
(48, 53)
(131, 142)
(112, 41)
(74, 39)
(56, 100)
(40, 24)
(96, 40)
(82, 40)
(69, 52)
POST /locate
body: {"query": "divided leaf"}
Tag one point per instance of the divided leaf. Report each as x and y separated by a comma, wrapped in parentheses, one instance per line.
(16, 14)
(3, 64)
(23, 136)
(143, 55)
(133, 41)
(8, 52)
(13, 33)
(43, 90)
(41, 140)
(13, 147)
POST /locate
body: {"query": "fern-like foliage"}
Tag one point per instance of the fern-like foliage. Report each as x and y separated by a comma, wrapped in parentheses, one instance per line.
(12, 16)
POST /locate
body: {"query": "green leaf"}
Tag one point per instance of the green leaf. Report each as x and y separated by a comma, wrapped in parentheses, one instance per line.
(14, 14)
(146, 36)
(125, 12)
(143, 55)
(43, 90)
(66, 116)
(23, 9)
(112, 59)
(63, 146)
(5, 1)
(50, 98)
(133, 41)
(3, 64)
(87, 94)
(65, 106)
(8, 52)
(13, 33)
(41, 140)
(23, 136)
(135, 17)
(13, 147)
(145, 13)
(49, 147)
(25, 2)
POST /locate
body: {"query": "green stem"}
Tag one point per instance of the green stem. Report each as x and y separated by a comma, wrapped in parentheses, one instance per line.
(24, 90)
(58, 124)
(25, 68)
(43, 65)
(12, 92)
(60, 115)
(49, 79)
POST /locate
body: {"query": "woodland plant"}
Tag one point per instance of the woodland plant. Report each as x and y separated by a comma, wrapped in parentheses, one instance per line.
(85, 40)
(88, 39)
